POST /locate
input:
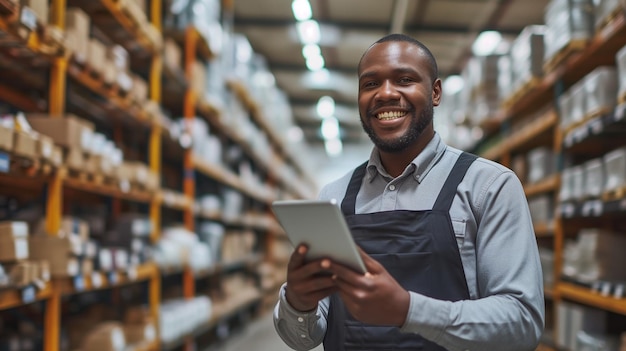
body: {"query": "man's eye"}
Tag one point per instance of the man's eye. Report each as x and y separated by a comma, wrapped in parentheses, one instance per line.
(369, 84)
(405, 80)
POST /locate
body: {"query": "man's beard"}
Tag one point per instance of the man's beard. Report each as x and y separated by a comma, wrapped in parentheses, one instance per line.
(412, 134)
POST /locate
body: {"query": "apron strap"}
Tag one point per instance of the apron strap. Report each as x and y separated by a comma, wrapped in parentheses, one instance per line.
(348, 204)
(444, 200)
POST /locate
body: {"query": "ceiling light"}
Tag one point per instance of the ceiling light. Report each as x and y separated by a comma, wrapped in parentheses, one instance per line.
(330, 128)
(486, 43)
(326, 107)
(311, 50)
(453, 84)
(308, 32)
(301, 10)
(315, 63)
(333, 147)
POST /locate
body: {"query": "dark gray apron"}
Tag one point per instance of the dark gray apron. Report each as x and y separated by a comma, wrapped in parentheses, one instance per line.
(419, 250)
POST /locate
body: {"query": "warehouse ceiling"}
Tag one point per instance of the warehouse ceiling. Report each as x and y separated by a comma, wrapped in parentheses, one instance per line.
(348, 27)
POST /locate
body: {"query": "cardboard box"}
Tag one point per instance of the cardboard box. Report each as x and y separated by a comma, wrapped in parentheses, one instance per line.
(6, 138)
(45, 148)
(172, 54)
(59, 264)
(106, 336)
(140, 89)
(138, 333)
(40, 8)
(67, 130)
(25, 144)
(13, 229)
(77, 25)
(49, 246)
(13, 249)
(96, 54)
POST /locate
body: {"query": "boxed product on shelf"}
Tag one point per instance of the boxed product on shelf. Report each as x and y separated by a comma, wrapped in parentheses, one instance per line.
(567, 21)
(594, 177)
(180, 317)
(96, 54)
(77, 24)
(564, 102)
(600, 90)
(13, 248)
(595, 255)
(527, 53)
(572, 183)
(605, 10)
(106, 336)
(67, 130)
(620, 60)
(25, 144)
(541, 208)
(139, 333)
(578, 101)
(540, 163)
(615, 169)
(573, 318)
(112, 259)
(6, 136)
(13, 229)
(39, 7)
(60, 252)
(172, 54)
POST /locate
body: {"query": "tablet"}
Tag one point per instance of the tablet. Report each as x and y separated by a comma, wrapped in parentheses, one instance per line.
(321, 225)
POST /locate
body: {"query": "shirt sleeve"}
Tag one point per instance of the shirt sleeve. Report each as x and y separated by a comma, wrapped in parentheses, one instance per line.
(508, 314)
(300, 331)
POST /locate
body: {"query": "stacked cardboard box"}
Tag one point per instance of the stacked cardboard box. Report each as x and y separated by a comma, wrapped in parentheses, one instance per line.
(13, 241)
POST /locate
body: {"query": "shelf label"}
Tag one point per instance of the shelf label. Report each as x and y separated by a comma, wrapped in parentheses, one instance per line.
(29, 294)
(79, 283)
(5, 162)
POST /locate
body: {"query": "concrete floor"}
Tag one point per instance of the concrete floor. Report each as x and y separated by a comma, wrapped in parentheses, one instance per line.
(258, 335)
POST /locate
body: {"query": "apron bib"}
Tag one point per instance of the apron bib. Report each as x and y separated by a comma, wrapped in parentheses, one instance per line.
(418, 248)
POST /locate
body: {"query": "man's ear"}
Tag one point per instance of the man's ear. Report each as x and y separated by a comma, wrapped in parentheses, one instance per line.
(436, 92)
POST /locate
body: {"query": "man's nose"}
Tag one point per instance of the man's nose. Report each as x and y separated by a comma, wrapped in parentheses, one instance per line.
(387, 91)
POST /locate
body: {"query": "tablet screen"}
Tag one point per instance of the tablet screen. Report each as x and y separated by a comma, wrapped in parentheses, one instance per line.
(321, 225)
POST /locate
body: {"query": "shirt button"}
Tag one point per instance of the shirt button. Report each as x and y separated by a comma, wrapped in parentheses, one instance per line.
(392, 187)
(302, 336)
(300, 319)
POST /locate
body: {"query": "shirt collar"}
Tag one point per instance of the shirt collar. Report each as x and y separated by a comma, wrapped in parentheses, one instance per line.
(419, 167)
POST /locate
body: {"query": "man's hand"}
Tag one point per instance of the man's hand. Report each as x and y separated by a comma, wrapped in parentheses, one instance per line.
(307, 282)
(374, 297)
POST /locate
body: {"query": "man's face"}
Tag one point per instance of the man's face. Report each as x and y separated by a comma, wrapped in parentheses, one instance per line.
(396, 95)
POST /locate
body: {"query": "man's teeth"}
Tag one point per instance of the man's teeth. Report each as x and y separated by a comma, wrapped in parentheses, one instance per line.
(385, 116)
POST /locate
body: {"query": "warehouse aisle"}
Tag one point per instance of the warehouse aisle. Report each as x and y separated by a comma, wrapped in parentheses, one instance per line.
(258, 336)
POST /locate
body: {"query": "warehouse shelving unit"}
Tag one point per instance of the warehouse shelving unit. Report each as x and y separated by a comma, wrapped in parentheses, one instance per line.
(530, 120)
(69, 86)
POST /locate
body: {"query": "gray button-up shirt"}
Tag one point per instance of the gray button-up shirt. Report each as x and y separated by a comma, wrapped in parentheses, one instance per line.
(498, 250)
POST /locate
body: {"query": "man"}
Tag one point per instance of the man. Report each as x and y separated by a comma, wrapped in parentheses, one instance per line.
(446, 237)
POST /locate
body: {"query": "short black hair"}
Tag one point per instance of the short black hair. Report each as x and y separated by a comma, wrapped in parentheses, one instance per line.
(434, 70)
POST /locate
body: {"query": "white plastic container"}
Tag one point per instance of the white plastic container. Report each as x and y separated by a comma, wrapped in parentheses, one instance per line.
(600, 90)
(620, 60)
(578, 182)
(615, 169)
(594, 177)
(540, 164)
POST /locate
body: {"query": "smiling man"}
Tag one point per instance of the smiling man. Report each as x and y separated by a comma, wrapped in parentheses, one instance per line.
(446, 236)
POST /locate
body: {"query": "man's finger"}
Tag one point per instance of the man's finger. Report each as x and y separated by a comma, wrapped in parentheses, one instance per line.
(297, 257)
